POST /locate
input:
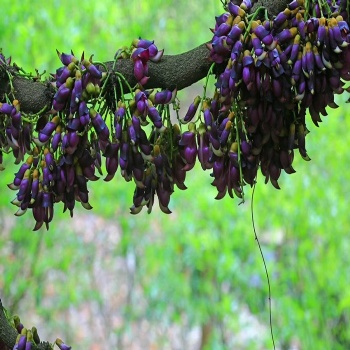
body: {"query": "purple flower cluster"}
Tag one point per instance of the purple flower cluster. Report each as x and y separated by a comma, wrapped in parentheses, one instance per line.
(276, 71)
(152, 160)
(15, 134)
(66, 153)
(26, 337)
(142, 52)
(77, 81)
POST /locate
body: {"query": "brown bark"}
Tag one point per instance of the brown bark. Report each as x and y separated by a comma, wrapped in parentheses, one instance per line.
(178, 71)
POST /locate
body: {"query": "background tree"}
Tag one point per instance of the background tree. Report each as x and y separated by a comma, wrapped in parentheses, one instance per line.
(206, 265)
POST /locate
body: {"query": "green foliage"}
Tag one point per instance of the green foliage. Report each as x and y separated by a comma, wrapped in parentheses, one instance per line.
(200, 264)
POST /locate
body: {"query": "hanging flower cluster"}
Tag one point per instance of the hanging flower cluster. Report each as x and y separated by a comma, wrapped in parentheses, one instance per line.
(276, 71)
(60, 161)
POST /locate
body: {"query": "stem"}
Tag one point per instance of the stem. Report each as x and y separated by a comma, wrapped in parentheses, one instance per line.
(238, 139)
(264, 262)
(251, 18)
(210, 72)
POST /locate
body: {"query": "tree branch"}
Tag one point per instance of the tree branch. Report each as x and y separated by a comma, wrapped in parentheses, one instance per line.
(172, 71)
(8, 334)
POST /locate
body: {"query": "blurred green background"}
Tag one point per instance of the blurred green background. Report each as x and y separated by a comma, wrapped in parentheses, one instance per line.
(107, 279)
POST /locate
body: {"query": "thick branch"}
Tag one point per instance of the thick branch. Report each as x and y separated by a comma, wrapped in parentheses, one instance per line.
(7, 334)
(172, 71)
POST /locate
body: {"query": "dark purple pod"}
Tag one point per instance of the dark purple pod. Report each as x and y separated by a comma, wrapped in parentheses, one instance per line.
(139, 70)
(143, 43)
(24, 186)
(224, 28)
(73, 139)
(317, 59)
(235, 10)
(236, 51)
(99, 125)
(295, 50)
(312, 25)
(326, 58)
(321, 34)
(74, 124)
(63, 75)
(49, 159)
(111, 167)
(16, 120)
(192, 109)
(220, 46)
(64, 91)
(246, 75)
(234, 176)
(334, 30)
(56, 139)
(246, 148)
(295, 4)
(204, 152)
(286, 35)
(225, 134)
(50, 126)
(132, 134)
(257, 45)
(162, 97)
(218, 167)
(140, 54)
(92, 69)
(188, 138)
(24, 167)
(46, 177)
(58, 106)
(78, 87)
(222, 18)
(153, 114)
(118, 130)
(189, 154)
(246, 5)
(136, 124)
(70, 175)
(236, 31)
(66, 59)
(260, 31)
(35, 186)
(332, 42)
(280, 19)
(83, 109)
(43, 138)
(6, 108)
(208, 118)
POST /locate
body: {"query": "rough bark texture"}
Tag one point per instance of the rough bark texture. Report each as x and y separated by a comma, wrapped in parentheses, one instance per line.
(7, 333)
(178, 71)
(273, 6)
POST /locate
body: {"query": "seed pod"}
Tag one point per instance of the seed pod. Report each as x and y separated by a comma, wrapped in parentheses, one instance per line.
(192, 109)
